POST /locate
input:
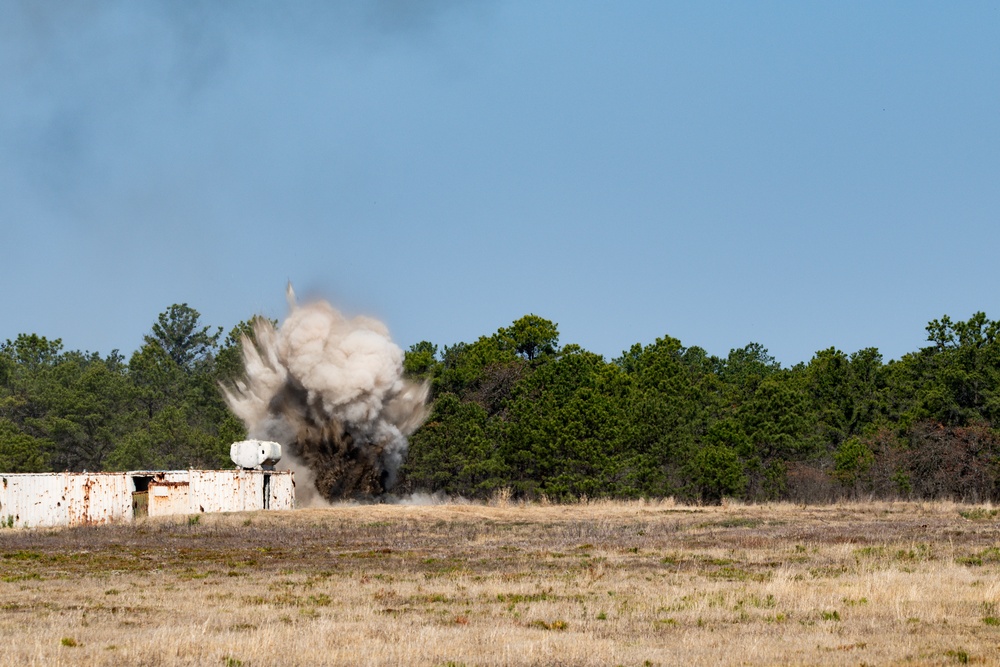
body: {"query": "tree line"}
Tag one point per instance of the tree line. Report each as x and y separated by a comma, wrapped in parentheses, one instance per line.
(160, 409)
(515, 410)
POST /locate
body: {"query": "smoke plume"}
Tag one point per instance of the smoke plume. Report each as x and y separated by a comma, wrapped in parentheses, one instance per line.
(331, 391)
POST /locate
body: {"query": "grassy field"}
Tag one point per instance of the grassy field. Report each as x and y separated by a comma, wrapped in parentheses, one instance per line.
(590, 584)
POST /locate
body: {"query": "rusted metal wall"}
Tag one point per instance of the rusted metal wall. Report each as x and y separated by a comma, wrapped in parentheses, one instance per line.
(242, 489)
(194, 491)
(74, 499)
(281, 490)
(96, 498)
(34, 500)
(170, 493)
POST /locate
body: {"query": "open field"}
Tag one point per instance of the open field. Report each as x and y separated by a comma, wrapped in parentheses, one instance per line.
(592, 584)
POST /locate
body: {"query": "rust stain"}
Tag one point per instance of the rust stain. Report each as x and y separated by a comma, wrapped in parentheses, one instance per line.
(76, 499)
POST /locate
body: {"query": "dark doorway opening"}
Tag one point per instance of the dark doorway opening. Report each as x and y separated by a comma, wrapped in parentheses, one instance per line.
(140, 497)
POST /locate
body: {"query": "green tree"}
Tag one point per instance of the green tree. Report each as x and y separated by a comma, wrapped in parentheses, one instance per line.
(531, 336)
(174, 438)
(847, 395)
(464, 365)
(420, 361)
(566, 429)
(20, 452)
(89, 407)
(180, 408)
(158, 380)
(31, 352)
(74, 405)
(852, 461)
(455, 452)
(178, 332)
(745, 368)
(715, 472)
(960, 371)
(676, 397)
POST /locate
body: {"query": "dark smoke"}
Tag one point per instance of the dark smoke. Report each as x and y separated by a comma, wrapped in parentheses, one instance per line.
(331, 391)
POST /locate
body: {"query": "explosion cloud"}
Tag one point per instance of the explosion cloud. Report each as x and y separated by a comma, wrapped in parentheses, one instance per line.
(331, 391)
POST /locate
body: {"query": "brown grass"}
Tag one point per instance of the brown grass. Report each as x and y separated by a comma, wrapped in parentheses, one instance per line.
(590, 584)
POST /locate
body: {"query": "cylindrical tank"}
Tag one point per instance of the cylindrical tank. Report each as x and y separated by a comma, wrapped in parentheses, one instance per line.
(255, 453)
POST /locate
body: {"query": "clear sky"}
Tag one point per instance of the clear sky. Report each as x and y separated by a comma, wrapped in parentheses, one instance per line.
(798, 174)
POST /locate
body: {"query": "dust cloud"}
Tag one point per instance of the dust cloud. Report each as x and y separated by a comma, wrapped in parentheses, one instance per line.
(331, 391)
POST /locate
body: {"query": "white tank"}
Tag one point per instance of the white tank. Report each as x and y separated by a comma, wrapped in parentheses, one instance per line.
(255, 453)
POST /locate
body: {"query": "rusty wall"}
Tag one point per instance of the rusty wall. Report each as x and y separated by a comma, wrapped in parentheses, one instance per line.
(74, 499)
(195, 491)
(96, 498)
(281, 492)
(34, 500)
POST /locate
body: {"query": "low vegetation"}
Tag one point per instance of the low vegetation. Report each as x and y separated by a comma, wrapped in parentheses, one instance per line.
(600, 583)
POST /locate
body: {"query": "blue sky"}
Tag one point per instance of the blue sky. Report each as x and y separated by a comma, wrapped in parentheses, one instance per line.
(802, 175)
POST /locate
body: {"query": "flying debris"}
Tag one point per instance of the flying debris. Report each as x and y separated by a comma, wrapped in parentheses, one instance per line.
(331, 391)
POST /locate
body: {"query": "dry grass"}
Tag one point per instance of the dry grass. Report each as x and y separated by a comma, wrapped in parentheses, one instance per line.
(592, 584)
